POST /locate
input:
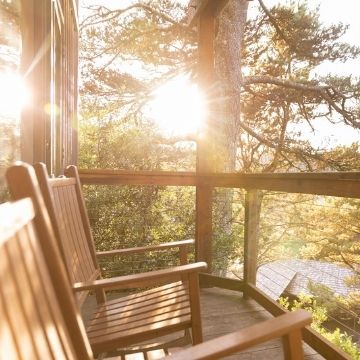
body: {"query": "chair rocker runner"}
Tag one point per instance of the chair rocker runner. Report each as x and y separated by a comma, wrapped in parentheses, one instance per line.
(39, 318)
(126, 321)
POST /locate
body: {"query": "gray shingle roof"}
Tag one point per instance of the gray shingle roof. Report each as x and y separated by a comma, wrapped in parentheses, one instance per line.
(293, 276)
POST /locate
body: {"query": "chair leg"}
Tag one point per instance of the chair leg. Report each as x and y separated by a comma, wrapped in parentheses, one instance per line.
(194, 291)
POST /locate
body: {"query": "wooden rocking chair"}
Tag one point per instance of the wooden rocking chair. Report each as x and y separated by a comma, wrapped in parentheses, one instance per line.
(127, 321)
(39, 318)
(32, 321)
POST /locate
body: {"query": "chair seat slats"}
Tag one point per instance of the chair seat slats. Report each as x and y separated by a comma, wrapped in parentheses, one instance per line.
(123, 315)
(131, 336)
(180, 301)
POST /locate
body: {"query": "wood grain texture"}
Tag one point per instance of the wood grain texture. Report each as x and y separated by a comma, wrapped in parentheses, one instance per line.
(49, 65)
(22, 183)
(204, 153)
(32, 325)
(284, 325)
(251, 230)
(135, 280)
(342, 184)
(65, 213)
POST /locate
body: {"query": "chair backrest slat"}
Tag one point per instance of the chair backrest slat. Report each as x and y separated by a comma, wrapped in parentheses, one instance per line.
(65, 211)
(72, 231)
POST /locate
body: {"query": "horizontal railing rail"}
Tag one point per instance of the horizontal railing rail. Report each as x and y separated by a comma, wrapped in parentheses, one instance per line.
(342, 184)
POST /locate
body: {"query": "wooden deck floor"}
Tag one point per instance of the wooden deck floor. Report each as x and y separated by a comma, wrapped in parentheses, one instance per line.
(224, 311)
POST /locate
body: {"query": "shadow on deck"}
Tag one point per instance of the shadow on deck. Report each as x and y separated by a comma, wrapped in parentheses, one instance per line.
(224, 311)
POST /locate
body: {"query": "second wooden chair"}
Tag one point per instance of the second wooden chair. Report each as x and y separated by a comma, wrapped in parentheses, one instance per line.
(117, 324)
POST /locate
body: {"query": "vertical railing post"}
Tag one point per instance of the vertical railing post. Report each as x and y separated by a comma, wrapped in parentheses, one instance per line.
(203, 244)
(204, 164)
(251, 231)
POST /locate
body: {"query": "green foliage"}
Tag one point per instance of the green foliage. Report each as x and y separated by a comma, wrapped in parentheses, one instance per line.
(343, 341)
(4, 194)
(352, 302)
(344, 158)
(9, 34)
(9, 141)
(9, 62)
(344, 308)
(319, 317)
(324, 296)
(131, 216)
(332, 232)
(228, 229)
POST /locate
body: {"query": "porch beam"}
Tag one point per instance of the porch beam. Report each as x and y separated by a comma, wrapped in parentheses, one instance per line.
(203, 222)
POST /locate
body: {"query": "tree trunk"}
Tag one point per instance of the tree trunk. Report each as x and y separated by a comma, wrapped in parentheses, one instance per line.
(229, 39)
(225, 130)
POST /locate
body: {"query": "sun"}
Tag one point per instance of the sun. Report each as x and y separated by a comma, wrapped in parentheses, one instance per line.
(13, 94)
(178, 107)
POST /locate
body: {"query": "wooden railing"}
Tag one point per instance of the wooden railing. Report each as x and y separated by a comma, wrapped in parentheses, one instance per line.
(341, 184)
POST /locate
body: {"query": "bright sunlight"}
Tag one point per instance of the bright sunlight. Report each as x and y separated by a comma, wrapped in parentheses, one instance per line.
(178, 107)
(13, 94)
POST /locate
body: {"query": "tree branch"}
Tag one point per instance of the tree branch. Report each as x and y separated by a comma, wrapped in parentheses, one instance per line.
(281, 33)
(328, 93)
(271, 145)
(265, 79)
(105, 12)
(349, 264)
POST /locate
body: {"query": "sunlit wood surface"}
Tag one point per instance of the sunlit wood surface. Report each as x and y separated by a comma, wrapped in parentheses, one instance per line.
(224, 311)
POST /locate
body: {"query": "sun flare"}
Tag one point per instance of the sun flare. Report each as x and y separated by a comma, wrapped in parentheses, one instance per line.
(178, 107)
(13, 94)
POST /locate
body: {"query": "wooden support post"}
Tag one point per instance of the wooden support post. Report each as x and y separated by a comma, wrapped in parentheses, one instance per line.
(203, 245)
(196, 328)
(251, 236)
(35, 69)
(49, 67)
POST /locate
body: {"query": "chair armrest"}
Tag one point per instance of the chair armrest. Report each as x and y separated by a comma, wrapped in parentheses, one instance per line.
(228, 344)
(159, 247)
(142, 279)
(182, 245)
